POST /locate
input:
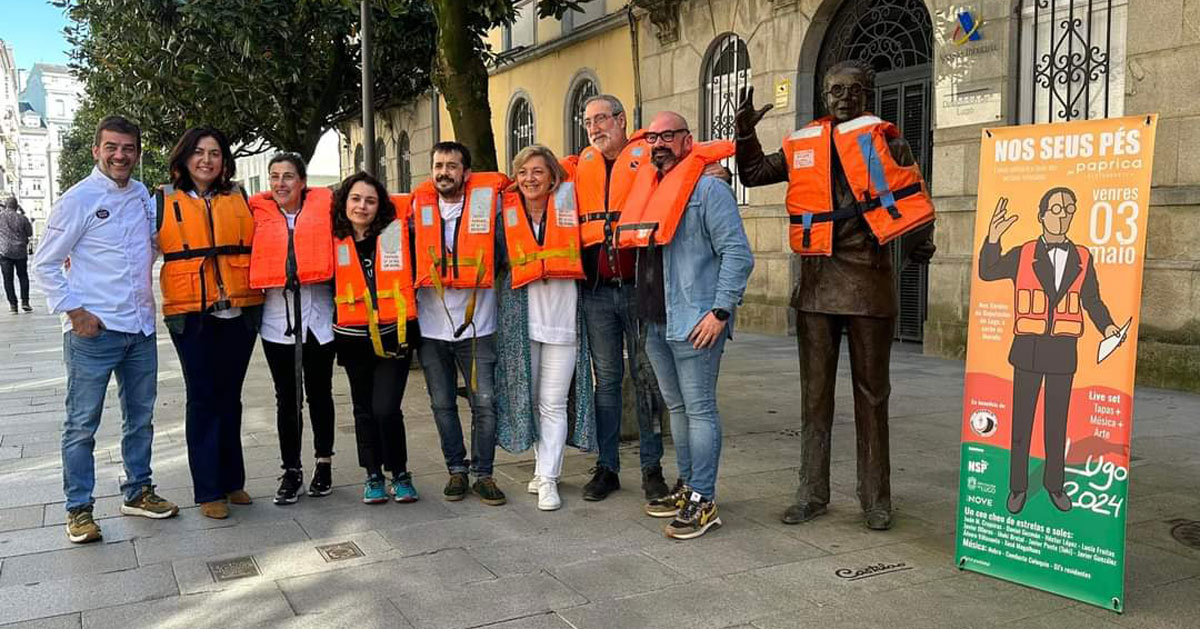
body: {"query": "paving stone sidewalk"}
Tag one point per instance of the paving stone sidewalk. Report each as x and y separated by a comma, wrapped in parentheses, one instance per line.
(334, 562)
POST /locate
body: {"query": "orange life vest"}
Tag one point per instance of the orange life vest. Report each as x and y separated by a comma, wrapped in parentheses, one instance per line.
(470, 263)
(206, 251)
(390, 300)
(311, 239)
(557, 257)
(1033, 311)
(602, 197)
(403, 204)
(892, 198)
(653, 208)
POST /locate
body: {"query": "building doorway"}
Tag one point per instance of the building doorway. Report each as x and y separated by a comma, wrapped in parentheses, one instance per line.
(896, 38)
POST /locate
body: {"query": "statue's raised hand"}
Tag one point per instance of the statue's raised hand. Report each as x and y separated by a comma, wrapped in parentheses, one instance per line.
(747, 116)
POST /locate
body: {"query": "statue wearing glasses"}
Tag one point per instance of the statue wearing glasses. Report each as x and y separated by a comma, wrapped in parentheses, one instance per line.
(852, 290)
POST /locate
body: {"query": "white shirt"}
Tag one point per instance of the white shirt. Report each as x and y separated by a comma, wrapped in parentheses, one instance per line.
(552, 308)
(107, 232)
(430, 312)
(1058, 259)
(316, 309)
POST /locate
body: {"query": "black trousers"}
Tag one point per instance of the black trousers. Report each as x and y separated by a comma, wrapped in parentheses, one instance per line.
(819, 336)
(318, 390)
(20, 265)
(1055, 404)
(214, 354)
(376, 391)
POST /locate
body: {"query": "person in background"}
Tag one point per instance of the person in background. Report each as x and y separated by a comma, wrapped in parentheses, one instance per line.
(205, 230)
(292, 260)
(15, 232)
(375, 328)
(105, 226)
(540, 329)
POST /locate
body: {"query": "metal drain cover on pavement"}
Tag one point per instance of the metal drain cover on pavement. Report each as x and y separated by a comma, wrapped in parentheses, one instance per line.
(340, 551)
(230, 569)
(1186, 532)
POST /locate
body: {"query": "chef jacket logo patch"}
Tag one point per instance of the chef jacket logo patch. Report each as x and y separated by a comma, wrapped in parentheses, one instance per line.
(101, 213)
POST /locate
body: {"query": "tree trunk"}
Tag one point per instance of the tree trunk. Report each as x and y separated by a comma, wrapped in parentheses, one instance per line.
(461, 77)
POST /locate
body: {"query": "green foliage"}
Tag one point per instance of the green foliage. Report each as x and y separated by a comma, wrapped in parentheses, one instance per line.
(279, 71)
(75, 161)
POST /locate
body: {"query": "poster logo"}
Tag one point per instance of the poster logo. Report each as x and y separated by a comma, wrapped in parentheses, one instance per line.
(966, 30)
(984, 423)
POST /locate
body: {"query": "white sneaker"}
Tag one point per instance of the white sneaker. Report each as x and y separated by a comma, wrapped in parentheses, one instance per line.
(548, 499)
(532, 487)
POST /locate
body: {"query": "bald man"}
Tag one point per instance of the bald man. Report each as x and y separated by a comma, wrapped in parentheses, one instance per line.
(688, 290)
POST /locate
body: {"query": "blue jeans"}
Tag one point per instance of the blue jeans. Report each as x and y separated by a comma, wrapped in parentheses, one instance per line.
(442, 361)
(612, 329)
(90, 363)
(688, 380)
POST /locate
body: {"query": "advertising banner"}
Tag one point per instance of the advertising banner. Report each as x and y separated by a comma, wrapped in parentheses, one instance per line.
(1056, 284)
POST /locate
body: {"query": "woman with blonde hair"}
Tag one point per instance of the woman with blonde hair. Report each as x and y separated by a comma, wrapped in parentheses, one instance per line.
(540, 331)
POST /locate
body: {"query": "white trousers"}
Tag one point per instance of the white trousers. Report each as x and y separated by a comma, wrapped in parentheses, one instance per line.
(553, 367)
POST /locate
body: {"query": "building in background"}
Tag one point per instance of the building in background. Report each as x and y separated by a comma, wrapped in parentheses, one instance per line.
(33, 177)
(946, 70)
(10, 160)
(49, 98)
(324, 169)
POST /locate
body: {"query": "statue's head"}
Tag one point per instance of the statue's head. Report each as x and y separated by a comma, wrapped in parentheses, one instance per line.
(847, 86)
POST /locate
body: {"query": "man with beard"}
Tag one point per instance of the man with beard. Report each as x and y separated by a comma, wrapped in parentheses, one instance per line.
(453, 218)
(693, 264)
(853, 186)
(105, 224)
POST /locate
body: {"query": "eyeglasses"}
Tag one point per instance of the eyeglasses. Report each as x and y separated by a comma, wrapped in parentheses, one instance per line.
(653, 137)
(596, 121)
(1059, 210)
(839, 91)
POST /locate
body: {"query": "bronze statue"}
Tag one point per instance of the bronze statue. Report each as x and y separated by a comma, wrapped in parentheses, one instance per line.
(853, 290)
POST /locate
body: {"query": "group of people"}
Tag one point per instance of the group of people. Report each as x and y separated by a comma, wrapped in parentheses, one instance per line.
(539, 288)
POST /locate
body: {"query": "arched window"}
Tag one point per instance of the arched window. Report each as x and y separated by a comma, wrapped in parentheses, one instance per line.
(726, 73)
(520, 126)
(381, 162)
(403, 164)
(577, 137)
(358, 158)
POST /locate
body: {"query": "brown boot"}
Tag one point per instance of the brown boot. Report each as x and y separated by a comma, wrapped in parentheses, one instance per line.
(240, 497)
(216, 510)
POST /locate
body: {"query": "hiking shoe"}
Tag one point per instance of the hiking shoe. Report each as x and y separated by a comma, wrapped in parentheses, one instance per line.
(457, 487)
(239, 497)
(694, 519)
(216, 510)
(322, 480)
(489, 493)
(81, 528)
(290, 486)
(403, 490)
(653, 483)
(149, 505)
(374, 491)
(669, 505)
(604, 482)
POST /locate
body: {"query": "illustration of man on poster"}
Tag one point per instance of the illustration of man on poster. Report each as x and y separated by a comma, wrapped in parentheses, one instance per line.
(1055, 283)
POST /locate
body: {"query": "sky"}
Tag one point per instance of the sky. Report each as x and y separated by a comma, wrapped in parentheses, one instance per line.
(34, 30)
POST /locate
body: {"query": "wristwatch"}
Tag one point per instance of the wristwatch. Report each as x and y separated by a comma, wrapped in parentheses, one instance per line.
(721, 314)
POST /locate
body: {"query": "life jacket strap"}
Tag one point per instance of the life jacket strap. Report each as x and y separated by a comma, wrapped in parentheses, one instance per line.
(206, 252)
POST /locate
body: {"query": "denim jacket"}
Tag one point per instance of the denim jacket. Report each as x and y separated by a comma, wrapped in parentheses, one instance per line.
(708, 262)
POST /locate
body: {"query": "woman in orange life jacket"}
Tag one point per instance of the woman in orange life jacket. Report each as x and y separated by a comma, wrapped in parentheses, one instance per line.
(375, 330)
(292, 222)
(538, 263)
(204, 232)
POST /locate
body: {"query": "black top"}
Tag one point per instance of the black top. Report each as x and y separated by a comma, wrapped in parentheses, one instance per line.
(651, 291)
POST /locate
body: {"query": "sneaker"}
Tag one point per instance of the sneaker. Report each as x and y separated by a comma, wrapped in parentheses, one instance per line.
(457, 487)
(149, 505)
(489, 493)
(403, 490)
(669, 505)
(653, 483)
(81, 528)
(26, 307)
(548, 499)
(322, 480)
(695, 519)
(12, 309)
(290, 486)
(374, 491)
(532, 487)
(604, 482)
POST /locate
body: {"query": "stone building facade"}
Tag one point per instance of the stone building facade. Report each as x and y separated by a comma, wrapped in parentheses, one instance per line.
(945, 71)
